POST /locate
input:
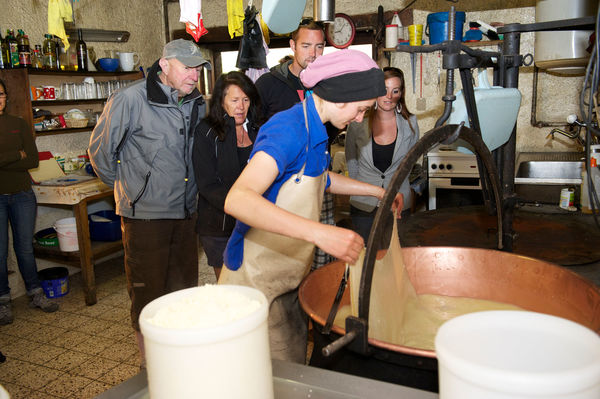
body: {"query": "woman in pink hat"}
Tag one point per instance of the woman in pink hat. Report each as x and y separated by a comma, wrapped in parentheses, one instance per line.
(277, 198)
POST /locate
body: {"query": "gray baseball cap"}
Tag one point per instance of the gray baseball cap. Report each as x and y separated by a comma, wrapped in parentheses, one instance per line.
(186, 52)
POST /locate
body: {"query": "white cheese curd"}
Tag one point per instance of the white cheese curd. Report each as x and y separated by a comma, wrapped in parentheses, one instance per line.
(209, 306)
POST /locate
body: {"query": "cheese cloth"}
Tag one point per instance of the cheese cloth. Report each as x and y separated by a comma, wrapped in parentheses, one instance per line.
(59, 11)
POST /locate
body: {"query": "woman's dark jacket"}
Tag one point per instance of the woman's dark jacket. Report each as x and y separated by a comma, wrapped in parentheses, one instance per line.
(216, 168)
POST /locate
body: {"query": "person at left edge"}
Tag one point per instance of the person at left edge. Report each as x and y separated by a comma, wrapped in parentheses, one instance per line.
(142, 146)
(18, 153)
(222, 145)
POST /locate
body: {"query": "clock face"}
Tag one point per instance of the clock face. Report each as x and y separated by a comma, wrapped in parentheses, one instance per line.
(340, 33)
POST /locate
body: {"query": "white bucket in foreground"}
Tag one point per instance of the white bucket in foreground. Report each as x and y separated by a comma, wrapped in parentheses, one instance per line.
(231, 360)
(66, 230)
(517, 355)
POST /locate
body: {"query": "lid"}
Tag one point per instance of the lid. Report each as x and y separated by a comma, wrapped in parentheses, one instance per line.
(390, 25)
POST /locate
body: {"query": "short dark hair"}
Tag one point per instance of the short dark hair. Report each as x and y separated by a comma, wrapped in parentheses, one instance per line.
(3, 86)
(216, 113)
(310, 24)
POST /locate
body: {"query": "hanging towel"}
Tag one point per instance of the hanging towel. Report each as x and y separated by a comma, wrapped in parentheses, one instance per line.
(251, 53)
(255, 73)
(235, 17)
(59, 11)
(192, 16)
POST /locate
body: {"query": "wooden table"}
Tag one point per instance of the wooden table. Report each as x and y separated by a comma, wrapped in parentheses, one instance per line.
(78, 196)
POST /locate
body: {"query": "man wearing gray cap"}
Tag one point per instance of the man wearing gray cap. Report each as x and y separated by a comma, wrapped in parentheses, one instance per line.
(142, 147)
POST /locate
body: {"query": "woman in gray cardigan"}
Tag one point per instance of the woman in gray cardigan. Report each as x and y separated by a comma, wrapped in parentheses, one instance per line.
(376, 147)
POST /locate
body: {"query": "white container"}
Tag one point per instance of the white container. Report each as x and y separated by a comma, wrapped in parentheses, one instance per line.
(3, 393)
(66, 230)
(227, 361)
(562, 52)
(396, 21)
(517, 355)
(567, 198)
(391, 36)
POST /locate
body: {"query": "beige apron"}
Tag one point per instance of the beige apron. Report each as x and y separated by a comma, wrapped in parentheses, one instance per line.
(276, 264)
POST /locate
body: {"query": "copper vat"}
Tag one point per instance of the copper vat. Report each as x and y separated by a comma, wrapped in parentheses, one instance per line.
(470, 272)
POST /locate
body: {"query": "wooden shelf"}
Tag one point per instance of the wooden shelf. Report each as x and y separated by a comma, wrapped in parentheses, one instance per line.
(33, 71)
(483, 43)
(69, 102)
(66, 130)
(99, 250)
(20, 80)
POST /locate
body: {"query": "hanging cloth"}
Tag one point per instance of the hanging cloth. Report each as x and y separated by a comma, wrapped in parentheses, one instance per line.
(251, 53)
(59, 11)
(255, 73)
(191, 14)
(235, 17)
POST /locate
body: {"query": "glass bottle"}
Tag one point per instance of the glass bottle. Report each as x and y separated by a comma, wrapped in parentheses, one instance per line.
(36, 57)
(4, 54)
(82, 54)
(13, 47)
(24, 50)
(62, 62)
(49, 49)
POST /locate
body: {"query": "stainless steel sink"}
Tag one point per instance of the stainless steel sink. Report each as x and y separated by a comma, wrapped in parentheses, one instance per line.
(561, 168)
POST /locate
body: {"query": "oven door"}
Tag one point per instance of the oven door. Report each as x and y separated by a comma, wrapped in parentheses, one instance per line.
(447, 192)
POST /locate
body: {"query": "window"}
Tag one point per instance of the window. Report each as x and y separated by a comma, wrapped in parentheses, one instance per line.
(229, 58)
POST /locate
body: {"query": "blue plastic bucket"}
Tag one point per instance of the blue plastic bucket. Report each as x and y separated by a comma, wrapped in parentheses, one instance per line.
(437, 26)
(54, 281)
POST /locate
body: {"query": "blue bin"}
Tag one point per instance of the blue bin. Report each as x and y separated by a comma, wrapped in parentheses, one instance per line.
(437, 26)
(54, 281)
(107, 230)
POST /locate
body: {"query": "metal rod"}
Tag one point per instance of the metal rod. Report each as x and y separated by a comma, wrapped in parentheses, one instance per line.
(339, 343)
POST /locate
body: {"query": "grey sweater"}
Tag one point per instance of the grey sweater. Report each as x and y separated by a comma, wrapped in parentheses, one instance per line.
(359, 159)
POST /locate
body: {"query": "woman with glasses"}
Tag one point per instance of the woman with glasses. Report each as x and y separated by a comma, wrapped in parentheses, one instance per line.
(222, 145)
(18, 154)
(376, 146)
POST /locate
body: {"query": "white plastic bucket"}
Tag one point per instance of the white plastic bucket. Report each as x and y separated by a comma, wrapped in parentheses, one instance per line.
(66, 230)
(517, 355)
(228, 361)
(3, 393)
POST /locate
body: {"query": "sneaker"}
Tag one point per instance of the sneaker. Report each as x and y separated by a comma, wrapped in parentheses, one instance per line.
(39, 300)
(6, 315)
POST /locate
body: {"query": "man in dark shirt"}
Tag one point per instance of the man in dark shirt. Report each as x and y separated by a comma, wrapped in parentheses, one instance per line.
(281, 88)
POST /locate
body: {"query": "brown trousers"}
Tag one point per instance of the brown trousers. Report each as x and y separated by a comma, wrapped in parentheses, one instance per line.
(161, 256)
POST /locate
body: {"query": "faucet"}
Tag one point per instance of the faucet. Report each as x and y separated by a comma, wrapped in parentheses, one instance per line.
(572, 134)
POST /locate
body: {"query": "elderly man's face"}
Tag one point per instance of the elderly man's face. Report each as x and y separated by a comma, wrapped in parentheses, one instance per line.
(178, 76)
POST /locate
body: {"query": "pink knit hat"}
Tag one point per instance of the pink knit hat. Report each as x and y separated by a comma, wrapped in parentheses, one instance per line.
(344, 76)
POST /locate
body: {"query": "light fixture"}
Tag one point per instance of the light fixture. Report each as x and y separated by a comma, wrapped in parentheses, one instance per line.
(98, 35)
(324, 10)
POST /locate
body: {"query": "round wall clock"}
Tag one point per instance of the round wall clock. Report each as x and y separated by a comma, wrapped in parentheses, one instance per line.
(340, 33)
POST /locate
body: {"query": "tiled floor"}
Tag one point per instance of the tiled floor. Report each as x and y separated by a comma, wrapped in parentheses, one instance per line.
(78, 351)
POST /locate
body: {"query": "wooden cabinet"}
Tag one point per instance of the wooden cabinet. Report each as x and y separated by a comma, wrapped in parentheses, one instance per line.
(20, 81)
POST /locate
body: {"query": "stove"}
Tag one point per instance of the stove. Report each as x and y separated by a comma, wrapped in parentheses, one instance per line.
(453, 178)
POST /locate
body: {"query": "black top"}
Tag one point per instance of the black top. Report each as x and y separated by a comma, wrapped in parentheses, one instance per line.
(382, 155)
(217, 165)
(243, 154)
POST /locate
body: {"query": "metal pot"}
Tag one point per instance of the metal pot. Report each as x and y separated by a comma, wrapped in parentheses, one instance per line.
(466, 272)
(474, 273)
